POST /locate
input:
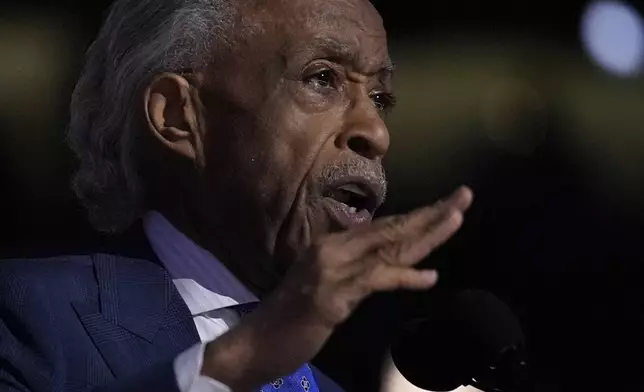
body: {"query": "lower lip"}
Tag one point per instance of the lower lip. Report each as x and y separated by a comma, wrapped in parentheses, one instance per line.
(343, 215)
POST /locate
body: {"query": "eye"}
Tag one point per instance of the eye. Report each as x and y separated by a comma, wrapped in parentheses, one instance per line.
(322, 79)
(384, 102)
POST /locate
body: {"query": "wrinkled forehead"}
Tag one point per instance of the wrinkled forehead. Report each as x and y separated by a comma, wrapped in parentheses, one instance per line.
(351, 30)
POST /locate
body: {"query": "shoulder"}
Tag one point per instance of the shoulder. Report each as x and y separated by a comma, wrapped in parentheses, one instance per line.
(43, 269)
(69, 276)
(21, 279)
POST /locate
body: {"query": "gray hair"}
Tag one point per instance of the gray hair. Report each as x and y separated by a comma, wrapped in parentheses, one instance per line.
(139, 39)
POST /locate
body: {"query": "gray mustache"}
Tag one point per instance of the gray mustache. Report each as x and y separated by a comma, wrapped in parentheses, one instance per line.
(371, 172)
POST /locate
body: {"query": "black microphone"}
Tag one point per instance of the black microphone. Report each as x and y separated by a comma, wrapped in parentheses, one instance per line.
(467, 338)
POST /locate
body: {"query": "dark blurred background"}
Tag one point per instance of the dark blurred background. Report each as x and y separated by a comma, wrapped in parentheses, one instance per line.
(538, 106)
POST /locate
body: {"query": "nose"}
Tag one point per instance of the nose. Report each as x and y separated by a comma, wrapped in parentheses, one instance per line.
(364, 131)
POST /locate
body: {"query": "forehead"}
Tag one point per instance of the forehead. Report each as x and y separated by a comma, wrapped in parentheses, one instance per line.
(349, 29)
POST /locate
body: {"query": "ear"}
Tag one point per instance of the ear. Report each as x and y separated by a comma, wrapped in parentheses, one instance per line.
(171, 113)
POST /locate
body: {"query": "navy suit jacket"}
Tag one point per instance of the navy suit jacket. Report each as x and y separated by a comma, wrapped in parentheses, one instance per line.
(101, 322)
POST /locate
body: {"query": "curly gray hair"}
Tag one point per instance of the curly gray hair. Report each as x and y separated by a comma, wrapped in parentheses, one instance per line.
(139, 39)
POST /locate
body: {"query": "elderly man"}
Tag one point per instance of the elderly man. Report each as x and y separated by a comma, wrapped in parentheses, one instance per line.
(247, 138)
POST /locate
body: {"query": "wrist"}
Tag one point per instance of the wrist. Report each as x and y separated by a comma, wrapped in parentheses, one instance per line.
(228, 360)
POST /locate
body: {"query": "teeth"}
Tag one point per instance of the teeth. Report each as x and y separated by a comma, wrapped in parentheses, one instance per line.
(353, 210)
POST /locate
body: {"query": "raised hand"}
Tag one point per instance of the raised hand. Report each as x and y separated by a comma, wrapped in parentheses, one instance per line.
(324, 288)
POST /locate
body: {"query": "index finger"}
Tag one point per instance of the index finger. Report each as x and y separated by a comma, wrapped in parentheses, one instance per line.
(461, 199)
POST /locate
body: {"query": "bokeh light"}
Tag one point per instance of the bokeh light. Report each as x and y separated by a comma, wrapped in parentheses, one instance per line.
(613, 35)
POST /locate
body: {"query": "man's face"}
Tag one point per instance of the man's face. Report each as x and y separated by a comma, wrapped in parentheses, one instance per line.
(294, 136)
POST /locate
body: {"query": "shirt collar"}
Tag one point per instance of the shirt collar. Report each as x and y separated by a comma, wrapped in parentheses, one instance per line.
(203, 282)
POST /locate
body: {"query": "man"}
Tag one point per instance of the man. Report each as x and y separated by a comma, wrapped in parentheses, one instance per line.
(247, 138)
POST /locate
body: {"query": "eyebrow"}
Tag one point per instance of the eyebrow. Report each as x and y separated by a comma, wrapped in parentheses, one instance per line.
(344, 52)
(389, 68)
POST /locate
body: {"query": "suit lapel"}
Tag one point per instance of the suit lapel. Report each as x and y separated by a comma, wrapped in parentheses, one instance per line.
(138, 318)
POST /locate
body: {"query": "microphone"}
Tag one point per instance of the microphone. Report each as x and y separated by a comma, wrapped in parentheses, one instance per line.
(467, 338)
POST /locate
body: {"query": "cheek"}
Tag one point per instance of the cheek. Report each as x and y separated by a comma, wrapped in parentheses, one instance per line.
(299, 141)
(297, 144)
(299, 124)
(274, 158)
(308, 134)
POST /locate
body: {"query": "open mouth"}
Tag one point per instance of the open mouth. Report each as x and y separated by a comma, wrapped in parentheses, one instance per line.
(356, 196)
(352, 201)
